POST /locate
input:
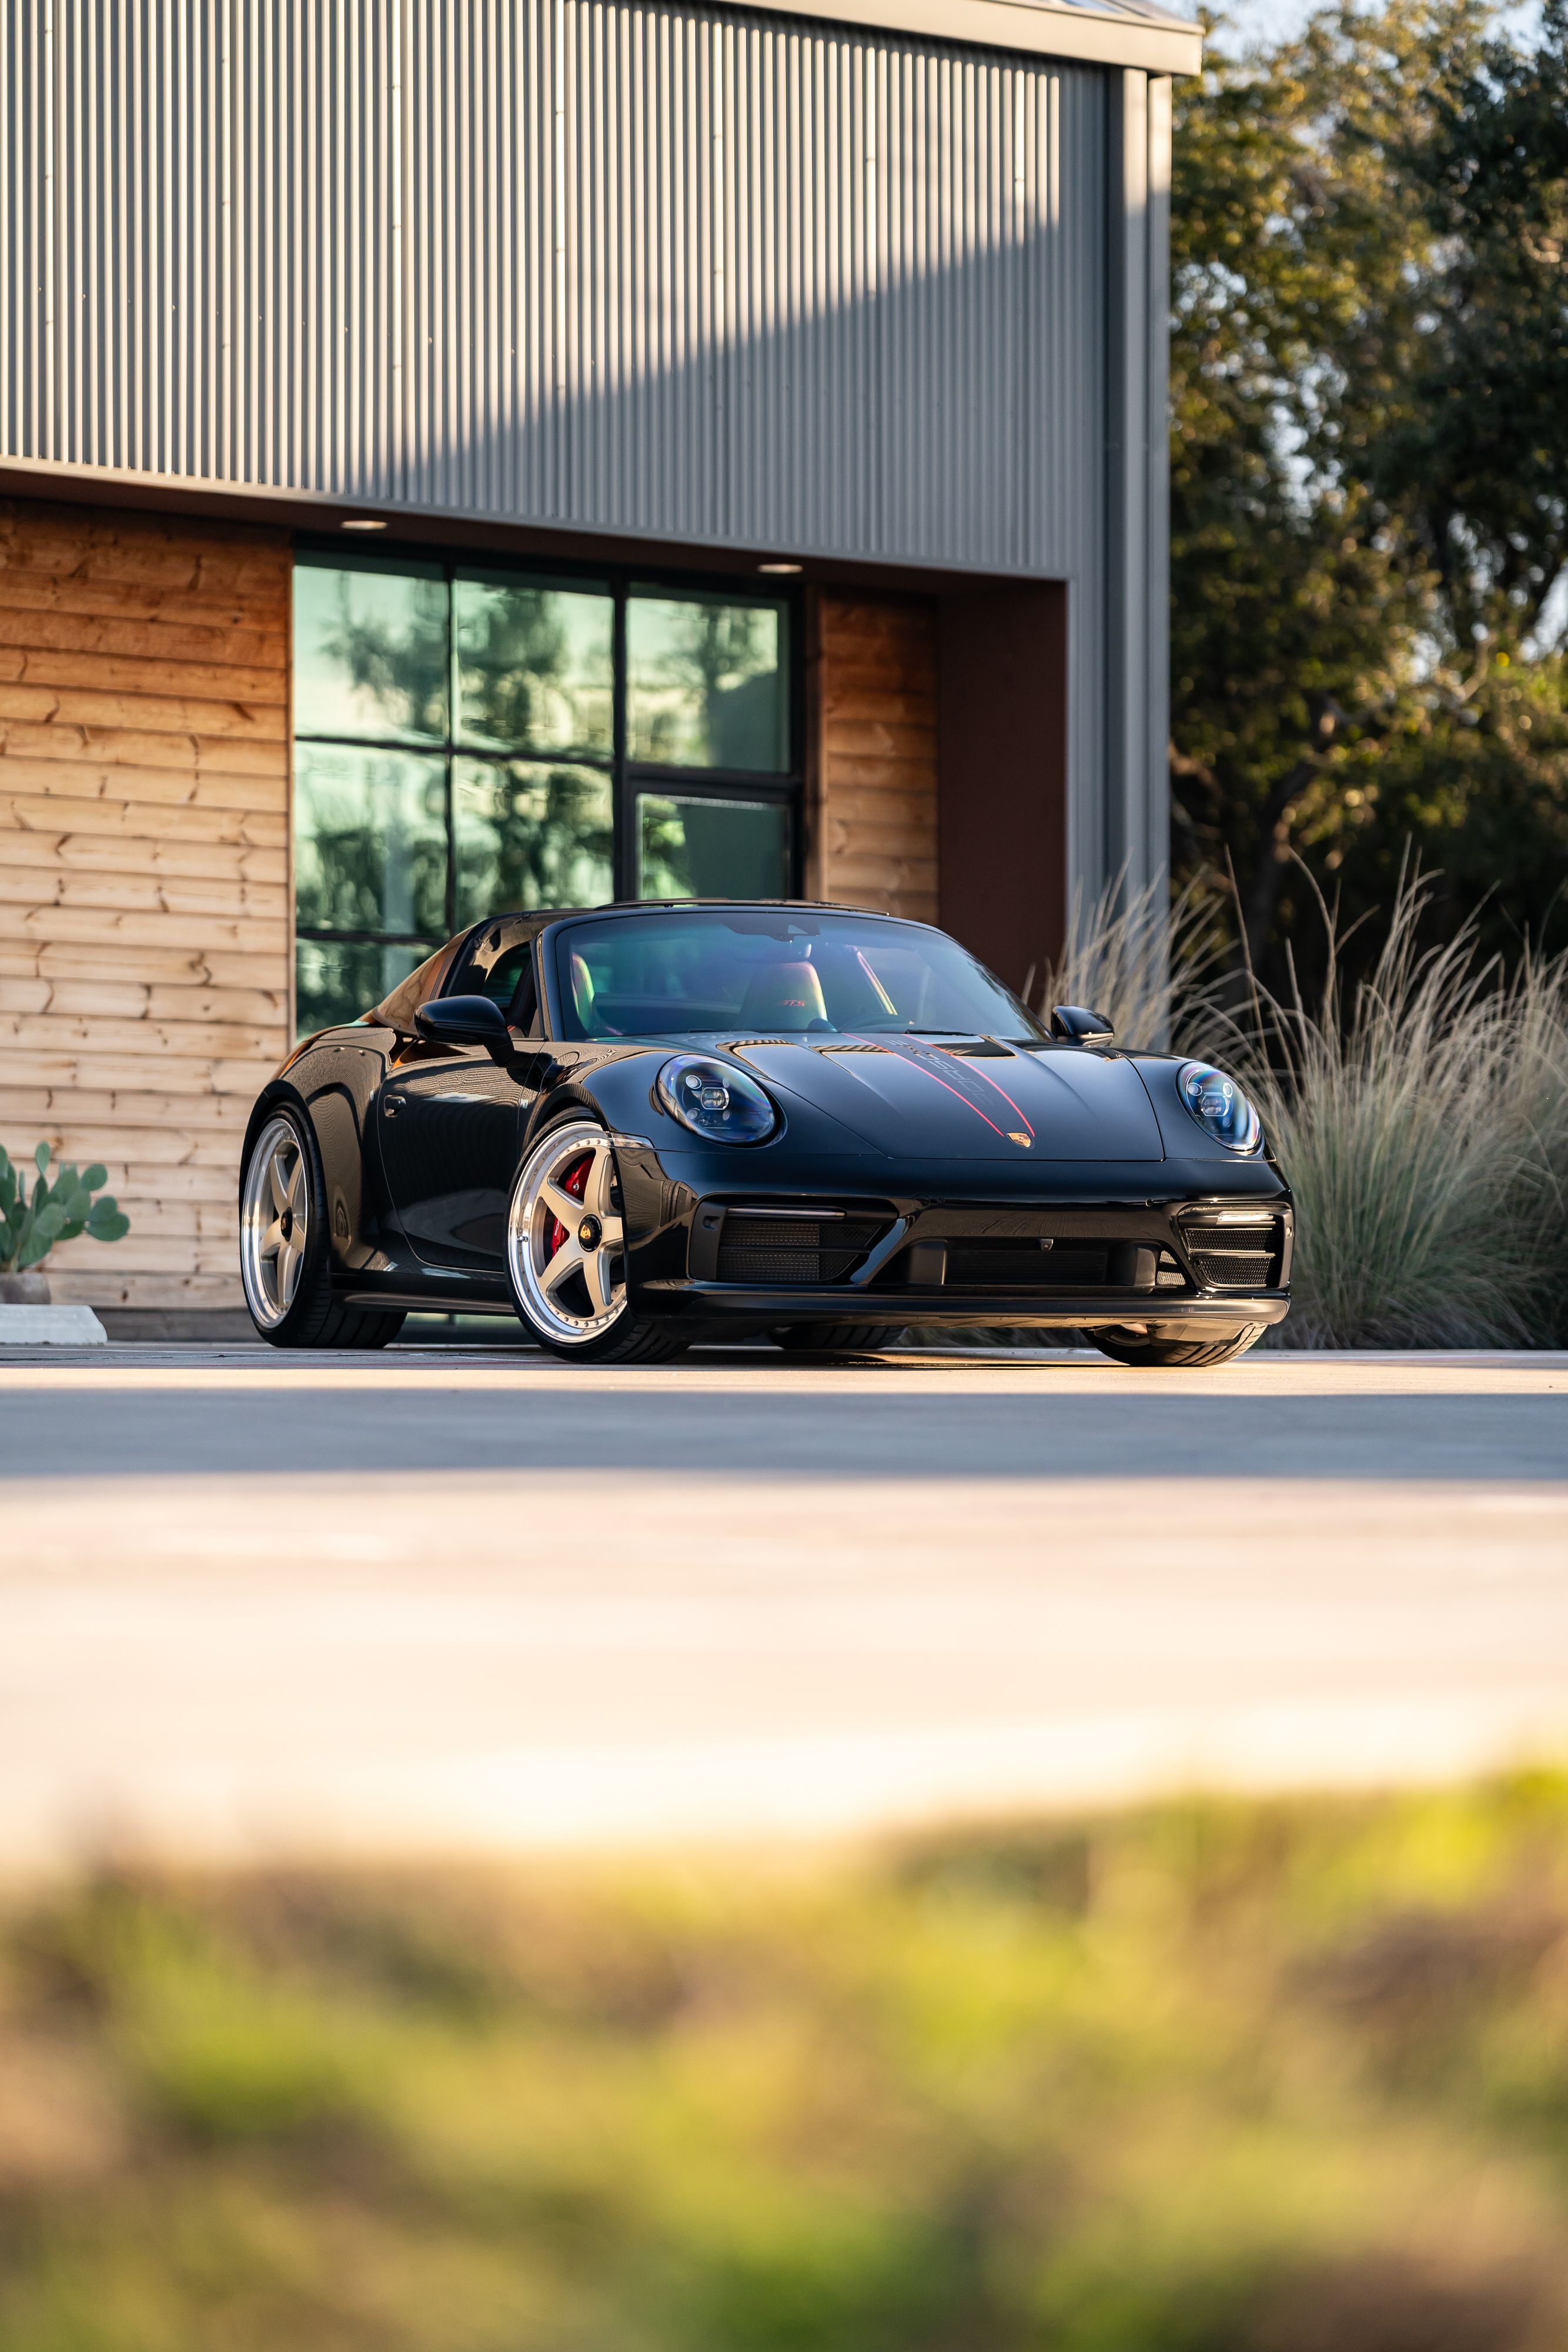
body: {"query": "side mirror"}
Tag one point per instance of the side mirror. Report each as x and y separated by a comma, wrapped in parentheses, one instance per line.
(465, 1021)
(1084, 1028)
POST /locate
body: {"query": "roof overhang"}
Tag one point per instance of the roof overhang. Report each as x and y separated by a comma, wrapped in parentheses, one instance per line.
(1109, 33)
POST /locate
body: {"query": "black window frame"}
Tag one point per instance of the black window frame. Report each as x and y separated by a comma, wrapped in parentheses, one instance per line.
(629, 777)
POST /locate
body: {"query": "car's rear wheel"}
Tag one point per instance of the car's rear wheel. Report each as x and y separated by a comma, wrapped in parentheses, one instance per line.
(1128, 1346)
(835, 1338)
(566, 1252)
(284, 1248)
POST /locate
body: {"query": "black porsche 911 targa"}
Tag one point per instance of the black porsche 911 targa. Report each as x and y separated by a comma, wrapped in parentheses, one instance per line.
(637, 1127)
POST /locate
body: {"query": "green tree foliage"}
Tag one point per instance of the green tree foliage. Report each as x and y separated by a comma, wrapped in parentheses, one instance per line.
(1370, 446)
(1474, 450)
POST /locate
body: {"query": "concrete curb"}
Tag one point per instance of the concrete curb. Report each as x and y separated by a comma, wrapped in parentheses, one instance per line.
(49, 1327)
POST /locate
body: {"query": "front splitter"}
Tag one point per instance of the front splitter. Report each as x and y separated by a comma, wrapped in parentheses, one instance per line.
(892, 1307)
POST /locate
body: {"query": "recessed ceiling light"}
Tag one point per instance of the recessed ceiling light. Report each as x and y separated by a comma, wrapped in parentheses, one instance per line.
(362, 522)
(778, 567)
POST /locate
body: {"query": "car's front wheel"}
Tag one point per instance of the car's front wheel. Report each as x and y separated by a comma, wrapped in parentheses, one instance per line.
(284, 1249)
(566, 1252)
(1137, 1348)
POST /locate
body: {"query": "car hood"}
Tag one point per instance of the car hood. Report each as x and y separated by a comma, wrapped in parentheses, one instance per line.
(966, 1098)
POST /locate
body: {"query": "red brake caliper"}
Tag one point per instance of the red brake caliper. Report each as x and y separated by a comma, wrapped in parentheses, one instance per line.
(576, 1184)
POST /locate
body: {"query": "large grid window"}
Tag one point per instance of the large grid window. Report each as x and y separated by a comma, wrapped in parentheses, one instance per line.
(469, 739)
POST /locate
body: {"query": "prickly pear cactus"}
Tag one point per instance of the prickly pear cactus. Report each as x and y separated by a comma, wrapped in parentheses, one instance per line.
(31, 1222)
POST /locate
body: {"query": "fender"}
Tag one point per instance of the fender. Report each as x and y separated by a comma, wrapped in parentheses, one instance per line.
(563, 1101)
(277, 1090)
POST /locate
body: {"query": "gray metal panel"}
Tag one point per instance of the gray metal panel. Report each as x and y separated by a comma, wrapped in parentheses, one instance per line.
(634, 268)
(701, 275)
(1121, 826)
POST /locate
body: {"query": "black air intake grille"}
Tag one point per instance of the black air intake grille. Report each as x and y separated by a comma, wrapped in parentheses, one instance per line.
(1024, 1265)
(793, 1249)
(1234, 1257)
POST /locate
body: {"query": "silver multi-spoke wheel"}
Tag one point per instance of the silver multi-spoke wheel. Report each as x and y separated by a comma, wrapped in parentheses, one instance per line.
(564, 1236)
(275, 1221)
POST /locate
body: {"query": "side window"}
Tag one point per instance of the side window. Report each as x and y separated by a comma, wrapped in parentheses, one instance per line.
(500, 965)
(511, 983)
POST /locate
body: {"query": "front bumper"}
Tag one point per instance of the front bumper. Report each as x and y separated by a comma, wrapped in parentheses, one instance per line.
(1194, 1258)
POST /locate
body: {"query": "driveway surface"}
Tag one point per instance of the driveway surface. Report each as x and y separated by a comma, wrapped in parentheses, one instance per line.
(472, 1599)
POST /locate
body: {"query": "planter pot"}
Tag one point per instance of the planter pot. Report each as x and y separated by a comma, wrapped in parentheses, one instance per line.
(30, 1289)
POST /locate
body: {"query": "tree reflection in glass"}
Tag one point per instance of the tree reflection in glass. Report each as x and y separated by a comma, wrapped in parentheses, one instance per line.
(527, 835)
(370, 840)
(500, 689)
(534, 668)
(370, 654)
(336, 980)
(691, 848)
(706, 683)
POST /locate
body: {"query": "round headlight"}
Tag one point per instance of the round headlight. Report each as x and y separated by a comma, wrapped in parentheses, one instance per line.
(1220, 1107)
(716, 1100)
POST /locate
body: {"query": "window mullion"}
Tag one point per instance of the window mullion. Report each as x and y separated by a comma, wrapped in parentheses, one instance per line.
(451, 725)
(625, 855)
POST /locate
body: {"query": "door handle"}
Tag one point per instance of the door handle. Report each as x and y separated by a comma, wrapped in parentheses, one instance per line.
(390, 1106)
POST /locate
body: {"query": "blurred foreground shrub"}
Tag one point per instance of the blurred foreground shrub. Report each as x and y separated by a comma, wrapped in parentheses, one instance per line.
(1264, 2078)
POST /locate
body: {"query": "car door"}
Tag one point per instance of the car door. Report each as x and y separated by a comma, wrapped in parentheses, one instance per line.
(450, 1123)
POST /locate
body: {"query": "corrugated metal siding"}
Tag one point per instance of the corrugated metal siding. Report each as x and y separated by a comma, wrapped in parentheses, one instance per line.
(643, 267)
(656, 268)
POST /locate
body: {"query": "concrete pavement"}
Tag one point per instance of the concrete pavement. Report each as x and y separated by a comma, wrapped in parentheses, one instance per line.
(476, 1601)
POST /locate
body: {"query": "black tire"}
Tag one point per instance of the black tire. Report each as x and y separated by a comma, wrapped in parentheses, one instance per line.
(574, 1325)
(1192, 1355)
(835, 1338)
(297, 1309)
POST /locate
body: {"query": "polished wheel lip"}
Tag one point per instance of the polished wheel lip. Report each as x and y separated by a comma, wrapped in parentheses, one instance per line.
(538, 1202)
(275, 1221)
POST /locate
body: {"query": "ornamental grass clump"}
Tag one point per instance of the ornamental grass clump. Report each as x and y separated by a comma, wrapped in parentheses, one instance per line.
(1423, 1124)
(1158, 972)
(31, 1222)
(1420, 1115)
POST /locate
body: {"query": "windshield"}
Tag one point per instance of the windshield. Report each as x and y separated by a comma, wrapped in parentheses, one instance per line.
(772, 972)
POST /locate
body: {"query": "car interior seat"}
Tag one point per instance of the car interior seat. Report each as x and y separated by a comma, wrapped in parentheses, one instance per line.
(785, 996)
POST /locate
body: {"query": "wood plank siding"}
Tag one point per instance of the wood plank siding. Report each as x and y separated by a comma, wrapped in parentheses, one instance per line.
(871, 665)
(145, 924)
